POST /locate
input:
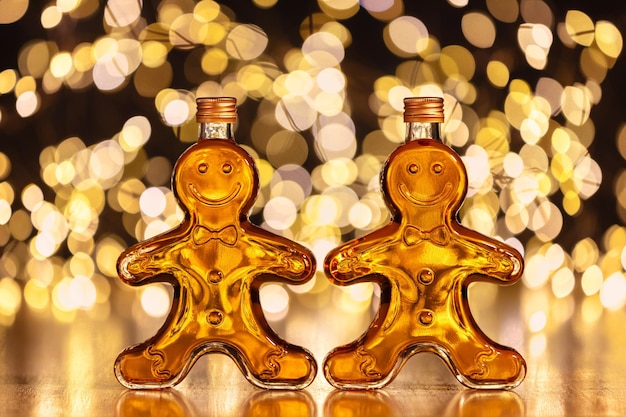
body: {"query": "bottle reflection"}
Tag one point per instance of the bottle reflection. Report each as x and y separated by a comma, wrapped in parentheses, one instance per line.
(471, 403)
(360, 403)
(280, 404)
(166, 403)
(172, 403)
(338, 403)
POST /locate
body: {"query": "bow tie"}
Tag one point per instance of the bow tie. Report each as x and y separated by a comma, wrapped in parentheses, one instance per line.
(227, 235)
(439, 236)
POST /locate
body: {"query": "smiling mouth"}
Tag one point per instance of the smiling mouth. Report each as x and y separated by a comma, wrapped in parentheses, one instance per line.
(215, 201)
(423, 201)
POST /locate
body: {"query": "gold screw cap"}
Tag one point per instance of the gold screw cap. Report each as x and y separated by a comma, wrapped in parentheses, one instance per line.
(216, 109)
(423, 109)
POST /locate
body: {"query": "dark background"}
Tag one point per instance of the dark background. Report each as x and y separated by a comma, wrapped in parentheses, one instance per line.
(93, 115)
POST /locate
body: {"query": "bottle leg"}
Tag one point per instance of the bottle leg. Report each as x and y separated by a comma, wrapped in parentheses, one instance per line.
(269, 362)
(155, 364)
(370, 362)
(480, 363)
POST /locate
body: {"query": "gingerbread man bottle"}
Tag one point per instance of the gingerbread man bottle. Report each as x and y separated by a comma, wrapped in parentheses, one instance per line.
(423, 260)
(216, 260)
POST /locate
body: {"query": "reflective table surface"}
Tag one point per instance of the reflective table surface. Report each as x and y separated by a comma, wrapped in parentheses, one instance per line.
(576, 367)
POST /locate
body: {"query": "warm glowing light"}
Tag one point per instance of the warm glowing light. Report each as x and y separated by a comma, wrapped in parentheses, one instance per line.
(32, 195)
(214, 61)
(609, 39)
(504, 10)
(361, 215)
(280, 213)
(119, 13)
(536, 272)
(320, 210)
(8, 80)
(5, 212)
(331, 80)
(67, 6)
(513, 164)
(335, 137)
(592, 280)
(155, 300)
(478, 29)
(323, 50)
(152, 202)
(135, 133)
(27, 103)
(299, 82)
(575, 104)
(498, 73)
(156, 227)
(538, 344)
(176, 112)
(361, 292)
(10, 297)
(613, 291)
(246, 42)
(12, 11)
(274, 299)
(36, 295)
(591, 309)
(61, 64)
(537, 321)
(579, 27)
(563, 282)
(51, 16)
(406, 36)
(319, 135)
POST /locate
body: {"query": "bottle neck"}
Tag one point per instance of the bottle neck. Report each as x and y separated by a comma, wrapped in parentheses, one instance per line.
(422, 130)
(217, 130)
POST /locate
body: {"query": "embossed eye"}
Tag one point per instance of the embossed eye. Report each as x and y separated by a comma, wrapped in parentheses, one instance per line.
(203, 167)
(227, 168)
(413, 168)
(437, 168)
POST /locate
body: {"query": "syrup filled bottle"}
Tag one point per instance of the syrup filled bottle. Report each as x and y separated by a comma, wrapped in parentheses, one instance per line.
(216, 260)
(423, 260)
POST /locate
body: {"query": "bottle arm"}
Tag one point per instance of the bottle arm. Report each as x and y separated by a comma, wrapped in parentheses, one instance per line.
(279, 256)
(492, 258)
(149, 258)
(139, 263)
(364, 256)
(343, 266)
(132, 265)
(353, 260)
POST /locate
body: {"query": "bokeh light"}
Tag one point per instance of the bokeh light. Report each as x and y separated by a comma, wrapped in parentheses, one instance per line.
(92, 126)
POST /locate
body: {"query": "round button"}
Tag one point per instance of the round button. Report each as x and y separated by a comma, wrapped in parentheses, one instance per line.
(426, 317)
(215, 276)
(215, 317)
(426, 276)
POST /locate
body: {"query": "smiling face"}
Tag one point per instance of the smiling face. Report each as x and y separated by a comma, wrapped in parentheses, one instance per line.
(215, 175)
(424, 174)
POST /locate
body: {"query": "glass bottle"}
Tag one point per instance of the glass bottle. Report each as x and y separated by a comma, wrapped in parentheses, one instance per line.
(423, 260)
(216, 260)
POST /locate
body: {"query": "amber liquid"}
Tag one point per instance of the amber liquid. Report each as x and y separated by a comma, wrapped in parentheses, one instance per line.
(423, 261)
(216, 261)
